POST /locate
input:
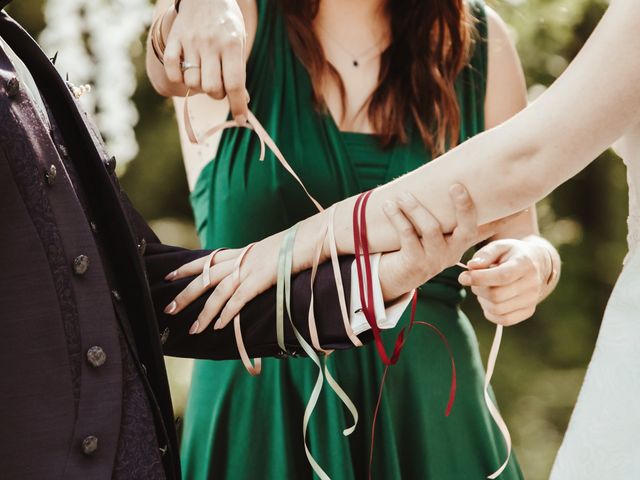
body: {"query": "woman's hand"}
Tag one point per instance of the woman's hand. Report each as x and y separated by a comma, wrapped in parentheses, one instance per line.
(209, 37)
(257, 274)
(424, 250)
(510, 278)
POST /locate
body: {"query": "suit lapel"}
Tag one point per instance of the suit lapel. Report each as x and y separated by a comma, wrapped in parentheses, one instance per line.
(103, 194)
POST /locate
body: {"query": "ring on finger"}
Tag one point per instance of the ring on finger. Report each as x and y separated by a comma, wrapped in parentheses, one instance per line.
(184, 66)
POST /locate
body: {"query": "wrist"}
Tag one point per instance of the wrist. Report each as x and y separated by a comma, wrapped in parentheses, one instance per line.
(548, 264)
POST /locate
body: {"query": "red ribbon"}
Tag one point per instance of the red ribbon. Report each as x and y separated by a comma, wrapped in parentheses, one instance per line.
(363, 262)
(365, 281)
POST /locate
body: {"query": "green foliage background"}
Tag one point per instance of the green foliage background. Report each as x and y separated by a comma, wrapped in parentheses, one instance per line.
(542, 362)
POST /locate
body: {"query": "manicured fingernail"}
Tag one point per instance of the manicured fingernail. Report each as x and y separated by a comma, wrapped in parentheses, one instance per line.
(171, 275)
(464, 278)
(194, 328)
(218, 324)
(169, 309)
(241, 120)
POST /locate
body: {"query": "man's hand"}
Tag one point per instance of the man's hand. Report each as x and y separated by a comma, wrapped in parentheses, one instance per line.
(210, 38)
(424, 250)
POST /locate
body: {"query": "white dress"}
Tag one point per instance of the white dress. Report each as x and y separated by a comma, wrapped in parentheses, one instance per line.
(603, 438)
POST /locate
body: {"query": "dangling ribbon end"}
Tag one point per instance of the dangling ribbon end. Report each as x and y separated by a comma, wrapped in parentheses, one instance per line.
(448, 410)
(495, 475)
(348, 431)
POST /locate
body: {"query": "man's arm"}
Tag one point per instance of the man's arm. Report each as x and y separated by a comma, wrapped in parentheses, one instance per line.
(258, 318)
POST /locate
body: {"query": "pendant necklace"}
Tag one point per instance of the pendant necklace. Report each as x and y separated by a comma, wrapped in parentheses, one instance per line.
(359, 59)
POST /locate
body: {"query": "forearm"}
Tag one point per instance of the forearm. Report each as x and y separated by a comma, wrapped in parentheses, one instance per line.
(518, 163)
(471, 164)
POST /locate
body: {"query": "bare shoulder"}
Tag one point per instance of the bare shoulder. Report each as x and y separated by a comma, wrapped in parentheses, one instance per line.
(506, 88)
(498, 29)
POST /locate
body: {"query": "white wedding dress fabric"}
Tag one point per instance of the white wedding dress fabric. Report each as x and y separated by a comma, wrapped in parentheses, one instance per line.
(603, 438)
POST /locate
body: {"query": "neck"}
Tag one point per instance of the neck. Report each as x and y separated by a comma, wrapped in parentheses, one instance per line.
(370, 13)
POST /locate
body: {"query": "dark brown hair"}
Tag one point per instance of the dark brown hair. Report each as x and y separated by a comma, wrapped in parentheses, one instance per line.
(430, 44)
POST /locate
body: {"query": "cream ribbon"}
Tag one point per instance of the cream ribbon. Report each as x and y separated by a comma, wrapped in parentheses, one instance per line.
(493, 410)
(252, 124)
(255, 368)
(287, 247)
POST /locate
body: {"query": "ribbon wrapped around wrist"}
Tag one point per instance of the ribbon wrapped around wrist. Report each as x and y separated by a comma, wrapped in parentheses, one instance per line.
(363, 266)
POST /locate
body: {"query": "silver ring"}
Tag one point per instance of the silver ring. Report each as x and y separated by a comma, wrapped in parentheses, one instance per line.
(184, 66)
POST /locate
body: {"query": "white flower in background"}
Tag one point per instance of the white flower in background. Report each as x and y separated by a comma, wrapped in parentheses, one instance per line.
(95, 41)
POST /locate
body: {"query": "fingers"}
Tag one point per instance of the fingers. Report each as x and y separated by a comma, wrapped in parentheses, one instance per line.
(196, 288)
(192, 76)
(243, 295)
(214, 304)
(172, 59)
(512, 318)
(489, 255)
(185, 297)
(505, 293)
(406, 232)
(187, 270)
(234, 78)
(422, 222)
(212, 76)
(504, 274)
(466, 215)
(525, 298)
(195, 267)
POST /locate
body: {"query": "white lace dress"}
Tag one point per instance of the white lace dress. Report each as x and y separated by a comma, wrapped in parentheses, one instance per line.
(603, 438)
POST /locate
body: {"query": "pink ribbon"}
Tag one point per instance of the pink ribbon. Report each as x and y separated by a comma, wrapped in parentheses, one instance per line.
(328, 229)
(493, 410)
(252, 124)
(256, 368)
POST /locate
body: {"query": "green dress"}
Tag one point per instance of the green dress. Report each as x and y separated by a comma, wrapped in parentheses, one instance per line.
(238, 427)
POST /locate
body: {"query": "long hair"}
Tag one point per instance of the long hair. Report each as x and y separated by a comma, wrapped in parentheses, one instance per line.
(430, 44)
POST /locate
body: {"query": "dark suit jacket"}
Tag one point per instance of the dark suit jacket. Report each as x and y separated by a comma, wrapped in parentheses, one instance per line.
(60, 262)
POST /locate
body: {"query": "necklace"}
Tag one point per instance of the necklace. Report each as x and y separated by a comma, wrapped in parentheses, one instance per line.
(359, 59)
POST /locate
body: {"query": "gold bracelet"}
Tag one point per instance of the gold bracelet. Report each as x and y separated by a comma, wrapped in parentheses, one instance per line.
(157, 51)
(157, 39)
(553, 271)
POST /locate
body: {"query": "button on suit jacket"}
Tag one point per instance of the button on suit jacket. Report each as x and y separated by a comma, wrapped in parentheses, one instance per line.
(53, 271)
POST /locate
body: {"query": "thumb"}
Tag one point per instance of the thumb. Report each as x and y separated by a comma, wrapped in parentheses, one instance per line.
(488, 255)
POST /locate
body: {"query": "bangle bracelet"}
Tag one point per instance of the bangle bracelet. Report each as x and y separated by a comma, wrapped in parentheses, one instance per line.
(157, 39)
(553, 271)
